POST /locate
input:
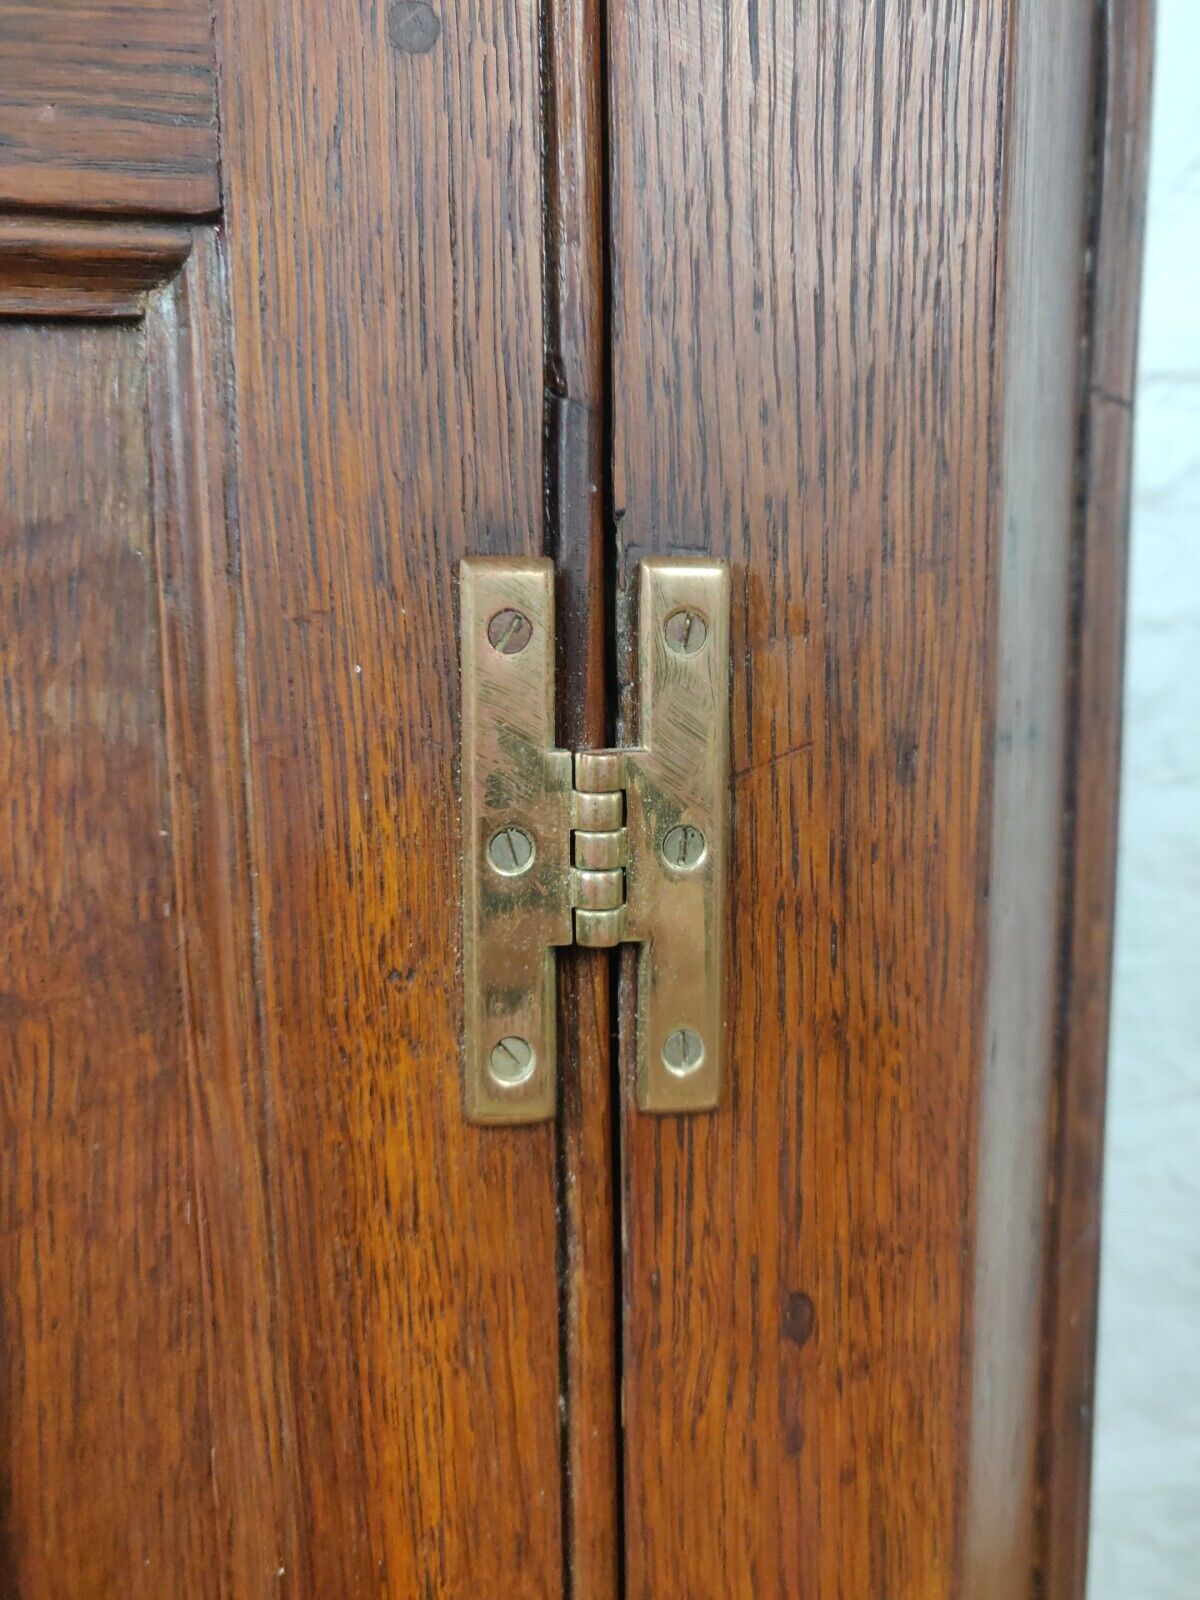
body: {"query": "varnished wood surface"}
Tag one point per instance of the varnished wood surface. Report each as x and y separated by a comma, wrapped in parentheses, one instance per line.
(106, 1444)
(383, 192)
(836, 283)
(108, 106)
(1126, 61)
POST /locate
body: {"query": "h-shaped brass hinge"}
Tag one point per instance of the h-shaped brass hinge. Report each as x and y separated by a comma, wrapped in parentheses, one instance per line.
(600, 848)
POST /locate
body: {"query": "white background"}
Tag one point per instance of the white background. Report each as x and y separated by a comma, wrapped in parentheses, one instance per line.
(1146, 1502)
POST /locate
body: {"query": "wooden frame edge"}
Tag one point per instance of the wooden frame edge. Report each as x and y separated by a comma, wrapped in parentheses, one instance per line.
(1125, 47)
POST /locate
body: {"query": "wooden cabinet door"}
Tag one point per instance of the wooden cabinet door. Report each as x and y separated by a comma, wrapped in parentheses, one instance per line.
(299, 305)
(853, 250)
(275, 1319)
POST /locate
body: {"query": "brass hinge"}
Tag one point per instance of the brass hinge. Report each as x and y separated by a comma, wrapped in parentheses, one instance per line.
(599, 848)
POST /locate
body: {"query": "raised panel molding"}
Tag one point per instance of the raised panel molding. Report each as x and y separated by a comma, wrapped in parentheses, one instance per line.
(90, 270)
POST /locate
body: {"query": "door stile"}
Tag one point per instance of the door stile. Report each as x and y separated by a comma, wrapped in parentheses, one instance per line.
(382, 191)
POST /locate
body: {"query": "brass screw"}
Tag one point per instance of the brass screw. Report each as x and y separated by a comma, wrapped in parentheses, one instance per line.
(510, 851)
(683, 1052)
(686, 631)
(511, 1061)
(684, 846)
(510, 631)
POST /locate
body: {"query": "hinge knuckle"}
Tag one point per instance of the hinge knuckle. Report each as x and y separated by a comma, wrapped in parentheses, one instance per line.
(599, 771)
(597, 812)
(599, 930)
(598, 891)
(600, 852)
(599, 843)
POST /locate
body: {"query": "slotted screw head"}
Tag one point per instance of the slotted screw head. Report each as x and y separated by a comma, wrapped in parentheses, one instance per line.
(686, 631)
(511, 1061)
(510, 631)
(683, 1051)
(511, 851)
(684, 846)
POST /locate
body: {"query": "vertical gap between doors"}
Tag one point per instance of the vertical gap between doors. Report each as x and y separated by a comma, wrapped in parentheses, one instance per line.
(608, 600)
(577, 435)
(609, 566)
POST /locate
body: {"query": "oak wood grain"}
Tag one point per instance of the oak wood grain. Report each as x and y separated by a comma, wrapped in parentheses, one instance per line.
(836, 285)
(1126, 53)
(383, 189)
(106, 1482)
(804, 270)
(108, 106)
